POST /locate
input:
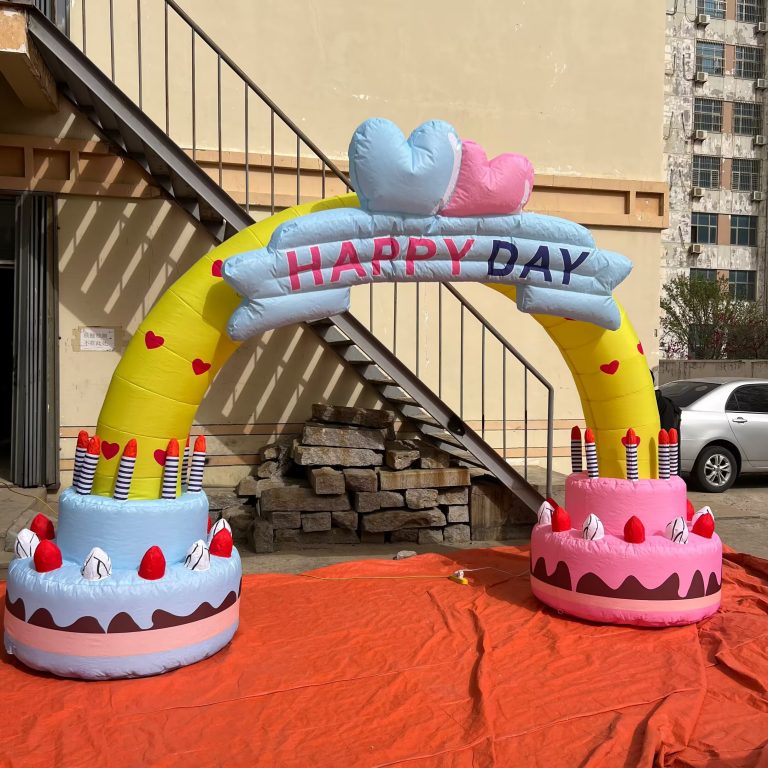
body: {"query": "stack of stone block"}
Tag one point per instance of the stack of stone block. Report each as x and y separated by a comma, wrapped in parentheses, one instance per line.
(346, 480)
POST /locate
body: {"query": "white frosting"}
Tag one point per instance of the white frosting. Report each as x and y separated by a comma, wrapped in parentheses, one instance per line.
(219, 525)
(198, 557)
(26, 543)
(97, 565)
(545, 513)
(592, 528)
(677, 530)
(705, 510)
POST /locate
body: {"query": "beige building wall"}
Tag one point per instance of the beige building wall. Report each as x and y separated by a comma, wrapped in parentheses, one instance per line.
(576, 86)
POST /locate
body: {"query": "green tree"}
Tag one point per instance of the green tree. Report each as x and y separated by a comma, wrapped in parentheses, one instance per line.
(698, 317)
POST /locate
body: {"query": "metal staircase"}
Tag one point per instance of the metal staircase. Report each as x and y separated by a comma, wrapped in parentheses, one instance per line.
(134, 133)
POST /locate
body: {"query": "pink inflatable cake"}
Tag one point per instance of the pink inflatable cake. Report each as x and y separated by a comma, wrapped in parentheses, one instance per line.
(627, 552)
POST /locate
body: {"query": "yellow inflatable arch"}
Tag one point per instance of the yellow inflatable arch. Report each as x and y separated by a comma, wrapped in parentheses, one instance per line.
(182, 343)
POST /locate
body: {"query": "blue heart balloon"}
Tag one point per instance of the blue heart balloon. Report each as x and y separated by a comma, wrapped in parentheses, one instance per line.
(393, 174)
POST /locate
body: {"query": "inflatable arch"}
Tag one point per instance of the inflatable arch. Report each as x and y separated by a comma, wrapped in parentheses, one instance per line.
(135, 582)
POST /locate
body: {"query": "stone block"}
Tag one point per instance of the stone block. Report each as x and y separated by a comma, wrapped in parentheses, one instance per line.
(365, 480)
(431, 536)
(432, 458)
(315, 455)
(267, 469)
(343, 437)
(362, 417)
(239, 519)
(421, 498)
(404, 554)
(452, 496)
(395, 519)
(221, 498)
(251, 486)
(322, 539)
(272, 452)
(347, 520)
(326, 481)
(296, 498)
(281, 519)
(423, 478)
(497, 514)
(261, 536)
(456, 534)
(400, 458)
(458, 514)
(287, 535)
(316, 521)
(406, 534)
(372, 502)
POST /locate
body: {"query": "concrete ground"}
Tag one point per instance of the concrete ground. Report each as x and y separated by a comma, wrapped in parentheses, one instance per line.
(741, 514)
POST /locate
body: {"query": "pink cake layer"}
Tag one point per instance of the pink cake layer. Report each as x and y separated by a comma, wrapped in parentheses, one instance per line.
(614, 501)
(655, 583)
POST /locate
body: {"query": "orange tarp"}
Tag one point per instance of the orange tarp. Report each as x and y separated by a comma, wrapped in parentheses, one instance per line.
(362, 664)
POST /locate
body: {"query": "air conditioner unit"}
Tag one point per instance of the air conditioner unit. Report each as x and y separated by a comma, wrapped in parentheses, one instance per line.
(695, 249)
(699, 135)
(701, 77)
(758, 197)
(761, 83)
(702, 20)
(760, 140)
(697, 192)
(761, 27)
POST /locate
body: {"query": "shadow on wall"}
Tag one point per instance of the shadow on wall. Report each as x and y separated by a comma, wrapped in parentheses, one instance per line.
(117, 257)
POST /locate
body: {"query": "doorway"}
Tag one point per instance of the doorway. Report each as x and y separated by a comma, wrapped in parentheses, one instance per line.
(28, 341)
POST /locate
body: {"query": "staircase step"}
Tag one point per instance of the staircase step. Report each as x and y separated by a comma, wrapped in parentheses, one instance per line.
(332, 335)
(417, 413)
(354, 355)
(438, 433)
(397, 395)
(375, 375)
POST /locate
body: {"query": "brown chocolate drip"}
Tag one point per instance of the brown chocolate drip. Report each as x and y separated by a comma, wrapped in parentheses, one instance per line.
(16, 609)
(561, 577)
(164, 620)
(42, 618)
(713, 585)
(122, 623)
(630, 588)
(697, 586)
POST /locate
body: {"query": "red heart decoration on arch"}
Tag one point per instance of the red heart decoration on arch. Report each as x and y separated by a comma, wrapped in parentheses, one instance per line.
(624, 440)
(159, 455)
(200, 366)
(152, 340)
(610, 368)
(640, 348)
(109, 450)
(216, 268)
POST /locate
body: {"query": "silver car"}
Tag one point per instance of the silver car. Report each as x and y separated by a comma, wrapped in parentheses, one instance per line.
(724, 428)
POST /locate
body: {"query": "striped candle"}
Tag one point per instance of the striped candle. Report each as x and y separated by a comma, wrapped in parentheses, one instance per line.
(88, 467)
(663, 454)
(591, 450)
(80, 451)
(195, 484)
(125, 471)
(576, 465)
(185, 466)
(674, 456)
(630, 445)
(171, 469)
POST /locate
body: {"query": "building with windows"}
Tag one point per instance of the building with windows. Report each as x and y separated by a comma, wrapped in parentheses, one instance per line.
(715, 138)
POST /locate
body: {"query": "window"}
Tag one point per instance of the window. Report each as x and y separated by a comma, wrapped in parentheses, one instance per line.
(749, 62)
(747, 119)
(703, 227)
(708, 115)
(706, 275)
(710, 57)
(751, 398)
(744, 230)
(706, 171)
(684, 393)
(713, 8)
(750, 11)
(742, 284)
(745, 175)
